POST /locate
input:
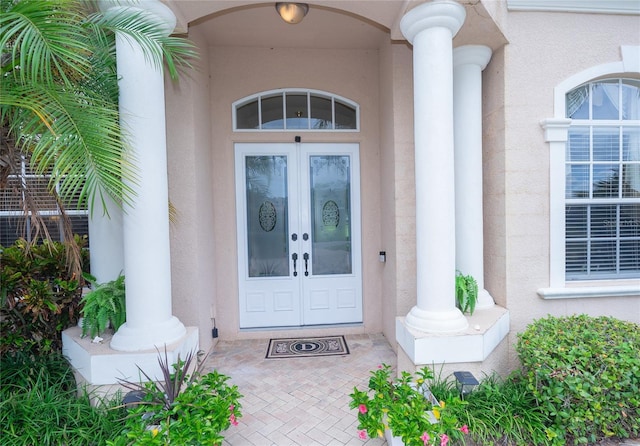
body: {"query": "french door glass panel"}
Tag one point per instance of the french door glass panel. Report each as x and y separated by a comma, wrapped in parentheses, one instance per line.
(330, 191)
(267, 216)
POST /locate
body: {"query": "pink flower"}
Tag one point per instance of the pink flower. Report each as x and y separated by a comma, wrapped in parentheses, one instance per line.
(231, 408)
(425, 438)
(379, 366)
(233, 420)
(464, 429)
(444, 439)
(362, 435)
(362, 408)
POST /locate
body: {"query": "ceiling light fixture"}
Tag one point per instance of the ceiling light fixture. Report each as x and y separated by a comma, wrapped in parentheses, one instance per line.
(292, 12)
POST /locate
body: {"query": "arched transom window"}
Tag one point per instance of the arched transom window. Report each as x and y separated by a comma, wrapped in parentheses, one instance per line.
(295, 110)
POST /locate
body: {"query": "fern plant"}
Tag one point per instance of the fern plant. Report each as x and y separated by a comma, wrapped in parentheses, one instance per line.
(466, 292)
(102, 306)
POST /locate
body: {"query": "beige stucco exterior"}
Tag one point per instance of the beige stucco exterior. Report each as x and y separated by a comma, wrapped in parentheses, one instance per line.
(532, 53)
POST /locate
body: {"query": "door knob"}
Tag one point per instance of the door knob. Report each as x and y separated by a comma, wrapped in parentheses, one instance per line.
(305, 236)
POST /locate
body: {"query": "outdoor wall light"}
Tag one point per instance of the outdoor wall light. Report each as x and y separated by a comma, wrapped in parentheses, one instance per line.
(292, 12)
(465, 382)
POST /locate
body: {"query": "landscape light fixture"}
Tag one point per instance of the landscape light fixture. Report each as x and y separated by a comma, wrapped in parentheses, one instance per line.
(465, 382)
(292, 12)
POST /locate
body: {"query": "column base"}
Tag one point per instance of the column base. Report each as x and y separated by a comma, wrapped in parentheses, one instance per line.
(99, 365)
(485, 300)
(128, 339)
(488, 329)
(450, 321)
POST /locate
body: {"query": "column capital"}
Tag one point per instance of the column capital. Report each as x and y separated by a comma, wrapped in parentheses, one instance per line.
(437, 14)
(472, 55)
(158, 10)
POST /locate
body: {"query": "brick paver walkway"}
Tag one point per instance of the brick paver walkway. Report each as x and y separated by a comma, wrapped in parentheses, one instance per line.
(298, 401)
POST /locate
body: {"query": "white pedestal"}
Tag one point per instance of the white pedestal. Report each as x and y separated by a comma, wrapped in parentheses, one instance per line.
(487, 328)
(98, 364)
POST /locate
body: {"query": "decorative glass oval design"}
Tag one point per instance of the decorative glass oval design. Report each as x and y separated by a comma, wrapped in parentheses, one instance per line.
(267, 216)
(331, 214)
(294, 110)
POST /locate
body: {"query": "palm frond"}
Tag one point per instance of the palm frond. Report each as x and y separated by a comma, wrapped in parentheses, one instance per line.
(82, 146)
(142, 28)
(45, 39)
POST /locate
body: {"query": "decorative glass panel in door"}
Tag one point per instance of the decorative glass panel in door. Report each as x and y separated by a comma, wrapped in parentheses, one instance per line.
(267, 213)
(330, 188)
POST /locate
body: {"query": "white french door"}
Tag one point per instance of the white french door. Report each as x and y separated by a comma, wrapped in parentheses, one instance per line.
(299, 248)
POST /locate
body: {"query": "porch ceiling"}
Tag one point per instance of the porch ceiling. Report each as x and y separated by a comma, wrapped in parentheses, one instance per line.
(237, 23)
(329, 24)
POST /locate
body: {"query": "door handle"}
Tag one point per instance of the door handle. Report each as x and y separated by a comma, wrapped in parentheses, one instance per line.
(306, 263)
(294, 257)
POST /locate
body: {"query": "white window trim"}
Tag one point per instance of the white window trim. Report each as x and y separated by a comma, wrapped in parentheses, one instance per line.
(590, 6)
(556, 131)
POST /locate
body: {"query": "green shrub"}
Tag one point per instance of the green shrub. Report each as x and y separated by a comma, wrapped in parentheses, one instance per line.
(585, 374)
(498, 412)
(38, 296)
(39, 405)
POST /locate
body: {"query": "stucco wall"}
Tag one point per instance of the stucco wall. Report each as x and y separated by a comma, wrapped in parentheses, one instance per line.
(191, 195)
(544, 49)
(397, 185)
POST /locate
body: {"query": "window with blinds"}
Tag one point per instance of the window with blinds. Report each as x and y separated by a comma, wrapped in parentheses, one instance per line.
(15, 222)
(295, 110)
(602, 195)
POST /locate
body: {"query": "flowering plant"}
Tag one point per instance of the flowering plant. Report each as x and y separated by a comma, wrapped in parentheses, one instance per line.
(183, 409)
(406, 407)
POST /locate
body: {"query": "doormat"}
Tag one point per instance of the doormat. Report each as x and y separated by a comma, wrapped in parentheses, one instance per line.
(303, 347)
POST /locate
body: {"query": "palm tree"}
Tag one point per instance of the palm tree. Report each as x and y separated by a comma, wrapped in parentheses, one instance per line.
(59, 98)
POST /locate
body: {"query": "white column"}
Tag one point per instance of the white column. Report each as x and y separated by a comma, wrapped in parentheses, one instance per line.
(106, 239)
(150, 322)
(430, 27)
(468, 63)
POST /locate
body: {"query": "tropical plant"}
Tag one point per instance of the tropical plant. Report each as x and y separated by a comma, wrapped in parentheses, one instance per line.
(466, 292)
(40, 405)
(406, 407)
(103, 306)
(499, 411)
(59, 101)
(183, 408)
(584, 373)
(38, 296)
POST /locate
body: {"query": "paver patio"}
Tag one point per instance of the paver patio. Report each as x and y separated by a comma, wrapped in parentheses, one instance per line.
(298, 401)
